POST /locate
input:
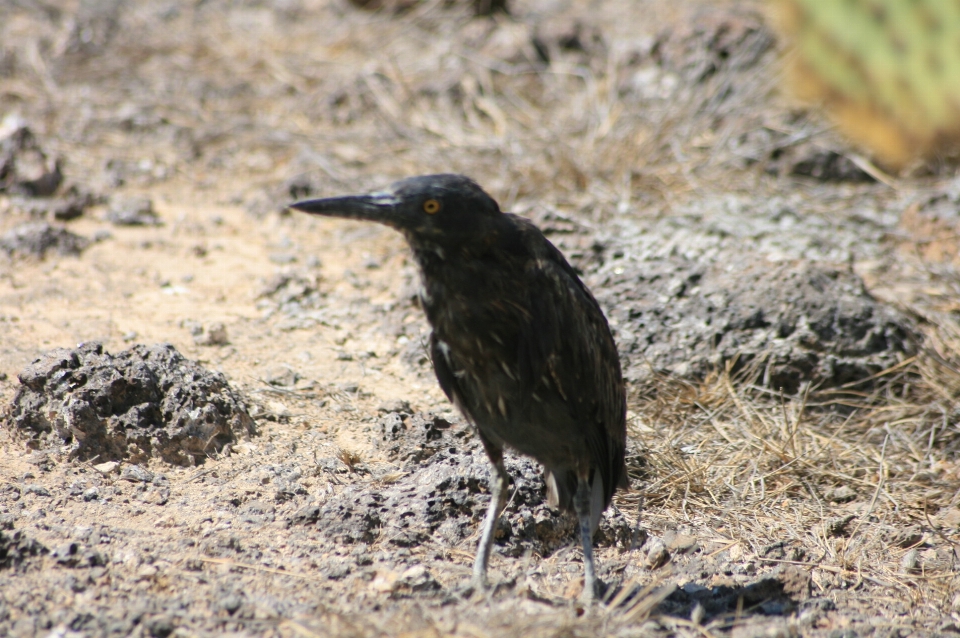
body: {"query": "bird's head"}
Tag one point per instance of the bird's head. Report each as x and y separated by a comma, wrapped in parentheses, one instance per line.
(436, 209)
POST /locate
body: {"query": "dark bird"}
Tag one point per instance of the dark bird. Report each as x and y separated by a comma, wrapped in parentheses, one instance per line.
(518, 344)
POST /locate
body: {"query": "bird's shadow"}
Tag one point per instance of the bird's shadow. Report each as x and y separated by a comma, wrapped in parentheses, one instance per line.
(771, 595)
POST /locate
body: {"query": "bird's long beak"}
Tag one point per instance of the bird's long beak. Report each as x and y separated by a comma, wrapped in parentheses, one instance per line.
(376, 207)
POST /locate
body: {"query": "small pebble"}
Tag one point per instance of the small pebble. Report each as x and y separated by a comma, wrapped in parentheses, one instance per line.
(147, 572)
(195, 327)
(840, 526)
(283, 376)
(658, 556)
(910, 562)
(133, 211)
(679, 543)
(283, 258)
(842, 494)
(67, 553)
(106, 468)
(214, 334)
(231, 603)
(400, 406)
(136, 474)
(39, 490)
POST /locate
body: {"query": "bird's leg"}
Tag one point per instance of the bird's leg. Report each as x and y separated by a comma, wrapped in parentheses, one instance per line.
(498, 499)
(581, 504)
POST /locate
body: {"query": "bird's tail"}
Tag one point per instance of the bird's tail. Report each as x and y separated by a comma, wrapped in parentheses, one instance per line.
(561, 486)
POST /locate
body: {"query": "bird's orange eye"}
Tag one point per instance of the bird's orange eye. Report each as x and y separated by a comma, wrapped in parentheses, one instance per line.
(431, 206)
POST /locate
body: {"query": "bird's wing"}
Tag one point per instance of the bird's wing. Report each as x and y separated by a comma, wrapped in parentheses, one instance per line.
(570, 328)
(441, 366)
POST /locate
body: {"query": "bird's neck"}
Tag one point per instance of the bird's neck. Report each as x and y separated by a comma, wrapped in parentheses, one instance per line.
(440, 259)
(431, 256)
(447, 273)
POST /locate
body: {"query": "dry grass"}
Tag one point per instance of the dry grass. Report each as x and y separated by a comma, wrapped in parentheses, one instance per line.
(260, 94)
(753, 470)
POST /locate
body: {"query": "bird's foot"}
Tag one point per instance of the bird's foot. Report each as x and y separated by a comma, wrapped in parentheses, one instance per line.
(477, 587)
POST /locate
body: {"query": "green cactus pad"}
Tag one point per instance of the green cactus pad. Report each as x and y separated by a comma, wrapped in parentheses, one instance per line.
(887, 70)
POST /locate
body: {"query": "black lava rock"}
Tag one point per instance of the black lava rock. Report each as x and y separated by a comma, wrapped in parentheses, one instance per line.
(145, 401)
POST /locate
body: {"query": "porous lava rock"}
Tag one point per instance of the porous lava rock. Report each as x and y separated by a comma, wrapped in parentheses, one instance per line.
(795, 321)
(443, 494)
(25, 169)
(36, 239)
(143, 402)
(16, 548)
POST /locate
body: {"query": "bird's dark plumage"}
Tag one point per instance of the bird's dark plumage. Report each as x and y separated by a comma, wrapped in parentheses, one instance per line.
(518, 344)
